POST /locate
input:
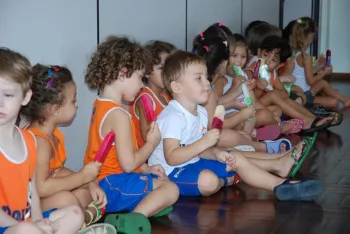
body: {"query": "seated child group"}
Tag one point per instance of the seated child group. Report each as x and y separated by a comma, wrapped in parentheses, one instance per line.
(195, 122)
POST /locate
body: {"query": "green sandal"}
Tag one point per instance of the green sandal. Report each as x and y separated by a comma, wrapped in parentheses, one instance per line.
(309, 143)
(163, 212)
(102, 228)
(130, 223)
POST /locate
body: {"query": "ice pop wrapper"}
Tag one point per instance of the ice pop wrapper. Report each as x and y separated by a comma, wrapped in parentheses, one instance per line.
(247, 98)
(328, 58)
(147, 106)
(219, 115)
(238, 71)
(105, 147)
(256, 70)
(264, 74)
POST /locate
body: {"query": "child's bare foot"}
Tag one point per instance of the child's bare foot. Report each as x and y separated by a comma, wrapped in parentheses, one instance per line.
(286, 162)
(309, 121)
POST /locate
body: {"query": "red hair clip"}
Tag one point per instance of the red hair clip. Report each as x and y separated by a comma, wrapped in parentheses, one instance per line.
(201, 35)
(206, 48)
(219, 24)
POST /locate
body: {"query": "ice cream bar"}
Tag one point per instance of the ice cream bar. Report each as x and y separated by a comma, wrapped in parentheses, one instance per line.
(247, 98)
(147, 106)
(256, 70)
(328, 58)
(219, 115)
(265, 75)
(105, 147)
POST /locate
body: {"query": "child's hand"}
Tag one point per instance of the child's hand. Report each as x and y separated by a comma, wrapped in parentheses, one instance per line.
(210, 138)
(251, 84)
(227, 158)
(240, 78)
(262, 84)
(287, 79)
(46, 226)
(90, 171)
(328, 70)
(159, 171)
(248, 112)
(98, 195)
(238, 103)
(153, 135)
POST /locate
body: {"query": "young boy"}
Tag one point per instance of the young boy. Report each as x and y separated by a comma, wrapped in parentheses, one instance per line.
(129, 183)
(275, 51)
(187, 151)
(19, 200)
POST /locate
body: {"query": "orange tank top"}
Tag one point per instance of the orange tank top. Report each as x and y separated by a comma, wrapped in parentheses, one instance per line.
(100, 110)
(16, 180)
(272, 73)
(58, 159)
(157, 106)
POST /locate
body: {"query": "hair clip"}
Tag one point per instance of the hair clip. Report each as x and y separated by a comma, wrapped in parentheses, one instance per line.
(299, 21)
(56, 69)
(194, 50)
(206, 48)
(220, 24)
(50, 74)
(225, 42)
(201, 35)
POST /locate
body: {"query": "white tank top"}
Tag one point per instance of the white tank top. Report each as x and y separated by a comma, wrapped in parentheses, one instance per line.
(299, 74)
(227, 87)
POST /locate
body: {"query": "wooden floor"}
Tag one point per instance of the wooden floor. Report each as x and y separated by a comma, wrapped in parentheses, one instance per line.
(244, 209)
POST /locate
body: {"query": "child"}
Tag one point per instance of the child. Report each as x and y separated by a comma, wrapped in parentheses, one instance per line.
(303, 34)
(54, 104)
(187, 149)
(154, 89)
(117, 68)
(274, 51)
(19, 200)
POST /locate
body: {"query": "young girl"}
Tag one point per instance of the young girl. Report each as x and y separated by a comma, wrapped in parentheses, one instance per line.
(54, 104)
(303, 34)
(117, 69)
(154, 88)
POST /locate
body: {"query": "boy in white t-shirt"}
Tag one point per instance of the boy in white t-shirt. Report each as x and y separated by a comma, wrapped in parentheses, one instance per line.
(187, 150)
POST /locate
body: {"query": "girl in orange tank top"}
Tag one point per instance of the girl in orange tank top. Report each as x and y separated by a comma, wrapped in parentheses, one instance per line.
(154, 89)
(54, 103)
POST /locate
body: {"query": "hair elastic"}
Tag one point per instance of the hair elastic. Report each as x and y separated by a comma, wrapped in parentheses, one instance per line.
(299, 21)
(225, 42)
(201, 35)
(50, 74)
(206, 48)
(220, 24)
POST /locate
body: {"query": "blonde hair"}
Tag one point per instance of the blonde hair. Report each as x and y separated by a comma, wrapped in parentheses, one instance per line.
(301, 29)
(16, 67)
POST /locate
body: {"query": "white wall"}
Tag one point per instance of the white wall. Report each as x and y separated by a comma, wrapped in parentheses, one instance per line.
(335, 33)
(203, 13)
(61, 33)
(144, 20)
(294, 9)
(264, 10)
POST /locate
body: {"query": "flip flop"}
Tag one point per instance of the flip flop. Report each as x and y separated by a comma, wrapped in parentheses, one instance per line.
(304, 190)
(246, 148)
(164, 212)
(297, 126)
(269, 133)
(273, 147)
(130, 223)
(309, 143)
(315, 128)
(101, 228)
(320, 111)
(339, 119)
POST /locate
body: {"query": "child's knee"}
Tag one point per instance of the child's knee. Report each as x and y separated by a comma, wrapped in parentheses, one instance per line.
(173, 192)
(266, 115)
(208, 182)
(333, 102)
(26, 228)
(75, 213)
(67, 198)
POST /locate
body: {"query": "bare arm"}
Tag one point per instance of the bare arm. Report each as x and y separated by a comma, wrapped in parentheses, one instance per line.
(308, 68)
(36, 209)
(46, 185)
(278, 86)
(6, 220)
(144, 125)
(119, 122)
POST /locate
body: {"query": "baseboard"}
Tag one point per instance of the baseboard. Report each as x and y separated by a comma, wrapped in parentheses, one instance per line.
(341, 76)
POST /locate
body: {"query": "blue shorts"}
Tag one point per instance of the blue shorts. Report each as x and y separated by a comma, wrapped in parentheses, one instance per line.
(46, 215)
(309, 97)
(125, 191)
(186, 178)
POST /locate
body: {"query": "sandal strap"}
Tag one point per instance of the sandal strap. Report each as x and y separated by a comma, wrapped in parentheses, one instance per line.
(98, 213)
(294, 156)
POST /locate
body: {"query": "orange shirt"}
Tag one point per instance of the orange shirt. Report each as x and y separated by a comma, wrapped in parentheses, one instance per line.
(16, 180)
(60, 154)
(272, 73)
(157, 106)
(100, 110)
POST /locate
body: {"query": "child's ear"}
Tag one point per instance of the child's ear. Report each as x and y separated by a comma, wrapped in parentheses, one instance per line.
(27, 97)
(122, 73)
(54, 109)
(175, 87)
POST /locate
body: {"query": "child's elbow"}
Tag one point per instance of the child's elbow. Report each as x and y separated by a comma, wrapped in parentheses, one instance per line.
(128, 168)
(170, 160)
(43, 191)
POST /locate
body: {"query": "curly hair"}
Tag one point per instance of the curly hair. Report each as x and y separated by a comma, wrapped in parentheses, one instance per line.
(48, 84)
(155, 48)
(15, 67)
(110, 57)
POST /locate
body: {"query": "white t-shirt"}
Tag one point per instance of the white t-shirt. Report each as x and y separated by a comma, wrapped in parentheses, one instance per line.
(177, 123)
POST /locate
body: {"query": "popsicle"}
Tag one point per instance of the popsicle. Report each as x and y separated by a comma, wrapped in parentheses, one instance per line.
(219, 115)
(238, 71)
(105, 147)
(328, 58)
(265, 75)
(147, 106)
(256, 70)
(247, 98)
